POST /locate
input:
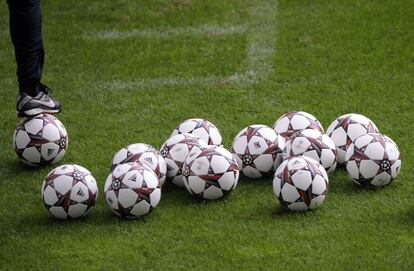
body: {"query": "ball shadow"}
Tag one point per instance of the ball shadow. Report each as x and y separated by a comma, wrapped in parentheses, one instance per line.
(97, 218)
(280, 212)
(46, 221)
(341, 183)
(263, 181)
(403, 218)
(15, 167)
(171, 193)
(186, 199)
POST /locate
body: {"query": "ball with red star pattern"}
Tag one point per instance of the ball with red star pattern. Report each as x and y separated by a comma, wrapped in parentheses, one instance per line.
(69, 191)
(40, 140)
(175, 150)
(293, 122)
(373, 160)
(258, 150)
(132, 190)
(313, 144)
(144, 154)
(300, 184)
(210, 172)
(345, 129)
(202, 128)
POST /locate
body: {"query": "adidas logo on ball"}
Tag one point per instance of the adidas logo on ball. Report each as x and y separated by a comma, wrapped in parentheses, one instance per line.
(80, 193)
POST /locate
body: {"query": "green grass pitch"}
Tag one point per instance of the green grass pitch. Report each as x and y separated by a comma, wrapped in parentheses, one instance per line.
(130, 71)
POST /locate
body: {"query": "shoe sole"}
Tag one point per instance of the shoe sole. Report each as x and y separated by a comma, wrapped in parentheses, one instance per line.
(36, 111)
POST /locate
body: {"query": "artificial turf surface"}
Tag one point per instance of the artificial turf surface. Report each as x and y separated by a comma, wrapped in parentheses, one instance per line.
(235, 63)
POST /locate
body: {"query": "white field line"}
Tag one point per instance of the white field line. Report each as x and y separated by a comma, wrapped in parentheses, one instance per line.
(168, 32)
(237, 78)
(262, 40)
(158, 82)
(258, 62)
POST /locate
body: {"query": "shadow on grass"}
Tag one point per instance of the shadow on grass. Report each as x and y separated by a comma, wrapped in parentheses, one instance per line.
(341, 183)
(283, 213)
(263, 181)
(180, 197)
(403, 218)
(172, 194)
(96, 219)
(13, 167)
(407, 217)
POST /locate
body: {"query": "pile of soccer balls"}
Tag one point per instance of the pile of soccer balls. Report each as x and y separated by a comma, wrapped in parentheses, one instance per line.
(295, 152)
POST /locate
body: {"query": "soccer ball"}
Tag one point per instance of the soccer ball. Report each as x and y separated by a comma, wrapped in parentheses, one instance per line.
(373, 160)
(293, 122)
(300, 184)
(175, 150)
(345, 129)
(132, 190)
(313, 144)
(40, 140)
(69, 191)
(145, 154)
(202, 128)
(210, 172)
(258, 150)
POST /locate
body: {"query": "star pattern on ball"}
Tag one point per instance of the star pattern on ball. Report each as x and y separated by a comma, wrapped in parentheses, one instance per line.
(144, 154)
(258, 150)
(373, 160)
(132, 190)
(211, 173)
(40, 140)
(313, 144)
(300, 184)
(69, 191)
(175, 150)
(202, 128)
(346, 129)
(296, 121)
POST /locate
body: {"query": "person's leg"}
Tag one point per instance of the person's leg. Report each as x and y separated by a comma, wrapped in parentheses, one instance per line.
(26, 35)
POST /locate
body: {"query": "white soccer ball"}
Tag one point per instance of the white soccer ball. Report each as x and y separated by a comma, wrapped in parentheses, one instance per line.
(313, 144)
(202, 128)
(210, 172)
(258, 150)
(175, 150)
(132, 190)
(40, 140)
(69, 191)
(145, 154)
(300, 184)
(293, 122)
(373, 160)
(345, 129)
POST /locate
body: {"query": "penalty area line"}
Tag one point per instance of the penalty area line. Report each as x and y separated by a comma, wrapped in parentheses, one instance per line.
(168, 32)
(262, 40)
(246, 78)
(261, 36)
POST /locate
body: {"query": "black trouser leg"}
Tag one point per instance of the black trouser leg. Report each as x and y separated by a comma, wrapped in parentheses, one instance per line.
(26, 35)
